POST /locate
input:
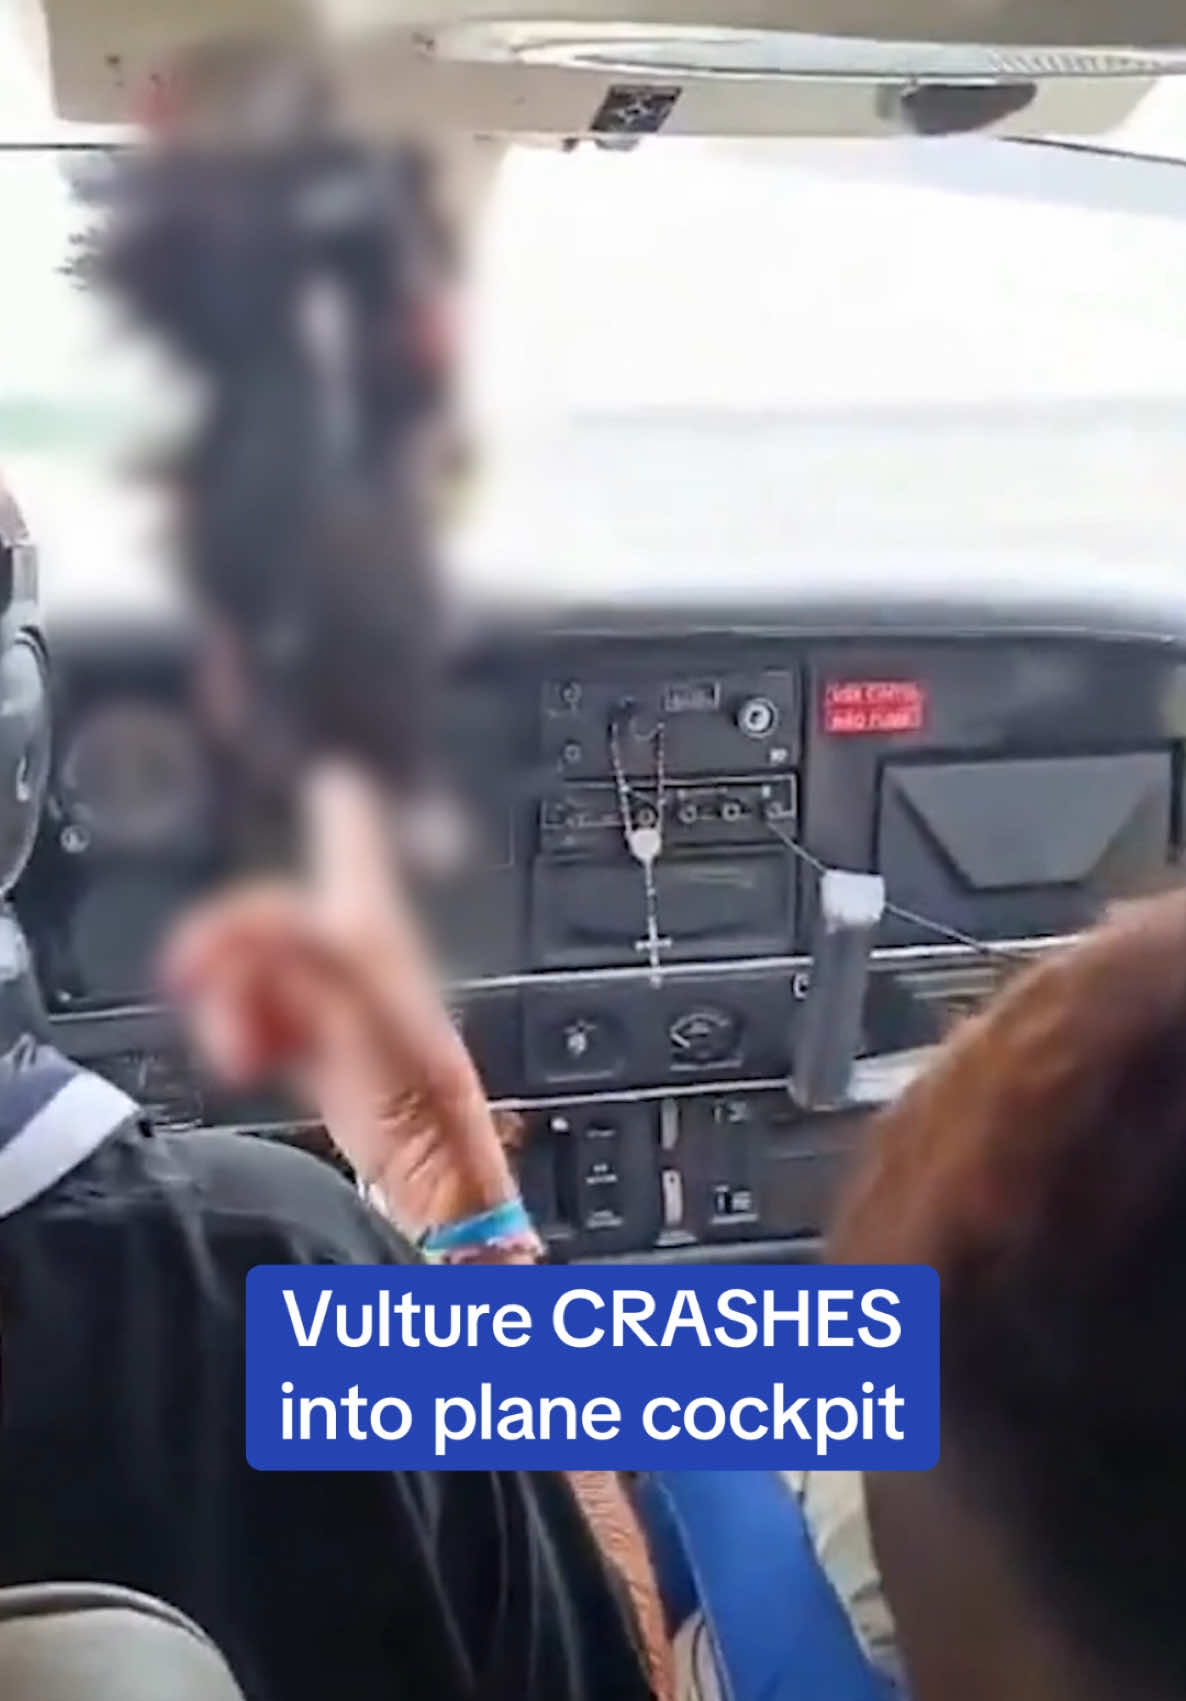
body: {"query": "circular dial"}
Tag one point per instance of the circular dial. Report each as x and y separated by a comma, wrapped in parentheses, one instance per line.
(132, 778)
(704, 1035)
(757, 717)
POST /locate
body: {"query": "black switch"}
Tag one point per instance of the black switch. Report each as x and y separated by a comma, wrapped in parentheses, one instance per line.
(601, 1180)
(732, 1148)
(537, 1171)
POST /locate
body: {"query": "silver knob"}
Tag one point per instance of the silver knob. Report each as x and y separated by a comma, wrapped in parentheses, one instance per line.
(757, 717)
(577, 1039)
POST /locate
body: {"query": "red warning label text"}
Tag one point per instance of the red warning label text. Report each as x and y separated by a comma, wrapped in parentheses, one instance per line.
(874, 705)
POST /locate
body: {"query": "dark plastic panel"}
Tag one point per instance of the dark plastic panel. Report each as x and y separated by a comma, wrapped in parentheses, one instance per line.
(1028, 845)
(720, 906)
(753, 1166)
(596, 1170)
(614, 1033)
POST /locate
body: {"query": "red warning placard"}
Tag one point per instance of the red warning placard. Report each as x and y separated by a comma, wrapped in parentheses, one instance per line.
(874, 705)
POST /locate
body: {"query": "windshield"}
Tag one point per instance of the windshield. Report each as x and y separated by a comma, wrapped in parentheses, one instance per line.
(700, 361)
(705, 360)
(1156, 127)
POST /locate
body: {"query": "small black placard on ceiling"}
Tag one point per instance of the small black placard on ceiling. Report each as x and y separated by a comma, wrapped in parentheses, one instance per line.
(634, 109)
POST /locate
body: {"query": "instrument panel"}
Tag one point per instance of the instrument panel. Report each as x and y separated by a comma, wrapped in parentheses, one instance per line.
(631, 949)
(131, 779)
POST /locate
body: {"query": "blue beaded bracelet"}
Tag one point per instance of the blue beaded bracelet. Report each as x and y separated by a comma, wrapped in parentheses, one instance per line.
(508, 1218)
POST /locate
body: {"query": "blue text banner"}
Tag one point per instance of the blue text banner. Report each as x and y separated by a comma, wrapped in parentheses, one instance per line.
(607, 1368)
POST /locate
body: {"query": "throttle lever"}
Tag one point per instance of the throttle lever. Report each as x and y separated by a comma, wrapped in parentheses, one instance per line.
(828, 1033)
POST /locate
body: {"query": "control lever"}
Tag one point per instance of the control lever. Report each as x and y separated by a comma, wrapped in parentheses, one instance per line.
(828, 1033)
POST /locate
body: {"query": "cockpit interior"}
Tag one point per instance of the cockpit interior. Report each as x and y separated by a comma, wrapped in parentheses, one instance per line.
(797, 396)
(759, 813)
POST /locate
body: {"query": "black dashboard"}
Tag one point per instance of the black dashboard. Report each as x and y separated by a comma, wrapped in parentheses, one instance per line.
(1007, 770)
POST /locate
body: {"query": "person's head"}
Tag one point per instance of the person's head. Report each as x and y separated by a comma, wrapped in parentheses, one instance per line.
(1040, 1168)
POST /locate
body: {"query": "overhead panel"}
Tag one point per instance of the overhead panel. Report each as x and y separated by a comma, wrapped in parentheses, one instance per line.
(622, 68)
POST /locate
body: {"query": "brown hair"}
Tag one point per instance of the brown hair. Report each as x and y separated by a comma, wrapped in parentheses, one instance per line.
(1040, 1167)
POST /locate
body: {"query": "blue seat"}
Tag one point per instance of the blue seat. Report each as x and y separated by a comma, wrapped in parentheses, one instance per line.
(735, 1545)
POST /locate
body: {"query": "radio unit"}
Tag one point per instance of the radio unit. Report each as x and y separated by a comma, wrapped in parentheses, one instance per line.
(586, 820)
(710, 724)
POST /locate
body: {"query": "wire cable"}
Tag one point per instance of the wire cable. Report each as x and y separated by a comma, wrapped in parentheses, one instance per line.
(915, 919)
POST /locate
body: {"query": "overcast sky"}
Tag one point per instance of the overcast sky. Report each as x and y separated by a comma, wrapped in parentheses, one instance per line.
(758, 276)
